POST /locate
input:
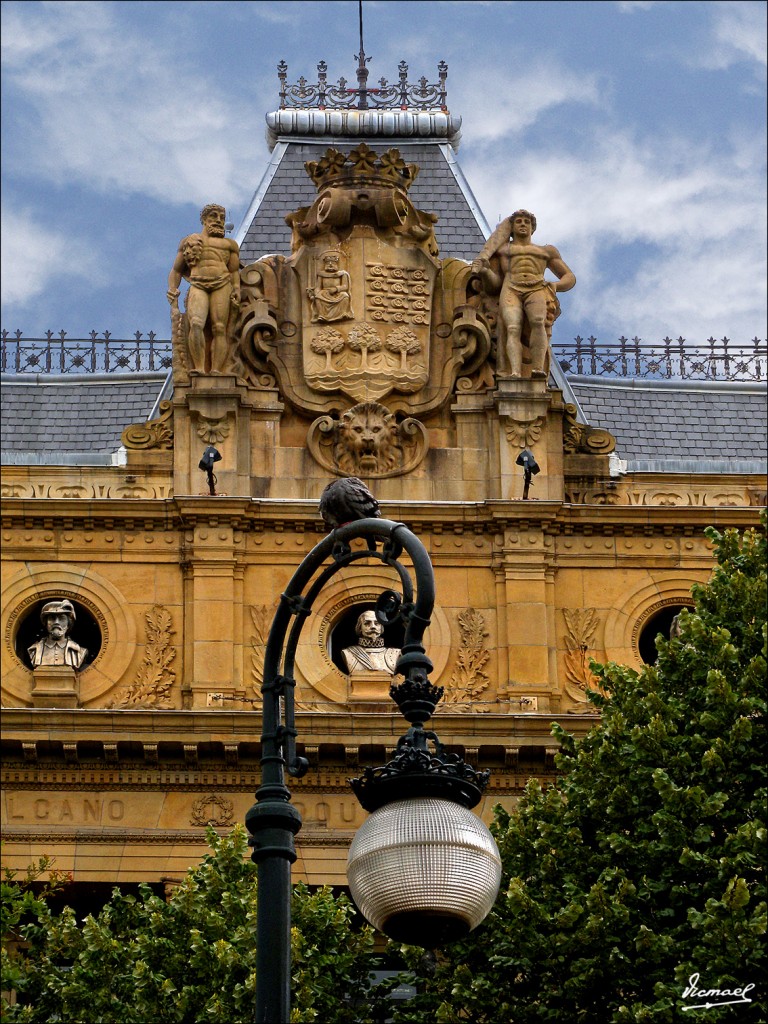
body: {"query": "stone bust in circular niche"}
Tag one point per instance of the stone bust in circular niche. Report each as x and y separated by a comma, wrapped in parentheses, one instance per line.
(369, 654)
(56, 647)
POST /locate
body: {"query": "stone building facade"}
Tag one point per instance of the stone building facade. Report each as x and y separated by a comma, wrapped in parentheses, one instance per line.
(364, 343)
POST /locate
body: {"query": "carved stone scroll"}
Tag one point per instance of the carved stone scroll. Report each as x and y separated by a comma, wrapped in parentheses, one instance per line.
(157, 433)
(581, 438)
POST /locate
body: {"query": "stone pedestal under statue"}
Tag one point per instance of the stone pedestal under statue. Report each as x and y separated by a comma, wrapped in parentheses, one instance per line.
(369, 686)
(55, 686)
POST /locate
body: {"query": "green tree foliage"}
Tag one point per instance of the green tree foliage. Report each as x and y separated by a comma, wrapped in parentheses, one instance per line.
(644, 864)
(186, 960)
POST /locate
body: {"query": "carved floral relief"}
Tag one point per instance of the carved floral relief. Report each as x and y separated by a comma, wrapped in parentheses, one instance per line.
(156, 676)
(469, 679)
(581, 627)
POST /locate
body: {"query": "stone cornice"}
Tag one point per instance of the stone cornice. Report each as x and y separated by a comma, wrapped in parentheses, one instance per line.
(184, 747)
(262, 514)
(309, 836)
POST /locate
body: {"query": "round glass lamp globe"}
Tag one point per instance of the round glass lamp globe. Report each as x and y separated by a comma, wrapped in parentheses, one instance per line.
(425, 871)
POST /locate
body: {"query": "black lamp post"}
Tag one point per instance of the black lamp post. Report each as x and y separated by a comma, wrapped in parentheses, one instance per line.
(420, 801)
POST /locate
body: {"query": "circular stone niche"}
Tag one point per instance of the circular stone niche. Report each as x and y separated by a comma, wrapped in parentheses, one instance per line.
(86, 631)
(659, 623)
(343, 634)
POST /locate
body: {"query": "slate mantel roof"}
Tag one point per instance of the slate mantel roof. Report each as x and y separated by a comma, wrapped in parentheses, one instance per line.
(51, 419)
(680, 426)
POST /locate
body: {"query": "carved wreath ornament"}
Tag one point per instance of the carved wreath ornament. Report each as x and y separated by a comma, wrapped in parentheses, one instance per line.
(212, 810)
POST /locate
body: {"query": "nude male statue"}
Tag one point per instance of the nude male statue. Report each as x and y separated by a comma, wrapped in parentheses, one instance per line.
(56, 648)
(211, 264)
(524, 291)
(370, 654)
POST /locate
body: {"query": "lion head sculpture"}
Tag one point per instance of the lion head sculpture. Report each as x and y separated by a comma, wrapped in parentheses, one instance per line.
(367, 440)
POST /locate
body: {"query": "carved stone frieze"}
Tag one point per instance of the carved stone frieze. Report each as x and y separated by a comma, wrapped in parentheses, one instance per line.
(101, 485)
(369, 441)
(152, 686)
(712, 496)
(157, 433)
(469, 678)
(576, 494)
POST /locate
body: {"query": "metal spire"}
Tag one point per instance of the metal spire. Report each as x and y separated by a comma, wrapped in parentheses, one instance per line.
(362, 70)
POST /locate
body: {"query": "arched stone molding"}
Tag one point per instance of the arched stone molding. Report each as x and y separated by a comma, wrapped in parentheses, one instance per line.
(46, 581)
(314, 668)
(623, 625)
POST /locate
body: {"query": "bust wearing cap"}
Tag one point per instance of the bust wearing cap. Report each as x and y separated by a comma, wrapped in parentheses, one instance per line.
(56, 648)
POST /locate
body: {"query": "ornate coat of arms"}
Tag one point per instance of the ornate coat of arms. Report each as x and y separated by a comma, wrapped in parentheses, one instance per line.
(363, 321)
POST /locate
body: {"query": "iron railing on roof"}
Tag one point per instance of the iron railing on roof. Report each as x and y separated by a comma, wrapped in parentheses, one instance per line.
(400, 95)
(677, 359)
(671, 359)
(57, 353)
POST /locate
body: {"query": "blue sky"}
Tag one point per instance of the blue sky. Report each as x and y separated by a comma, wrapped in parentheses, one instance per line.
(634, 130)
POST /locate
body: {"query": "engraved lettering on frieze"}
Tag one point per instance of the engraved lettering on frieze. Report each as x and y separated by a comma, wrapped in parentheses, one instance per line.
(260, 622)
(212, 809)
(469, 678)
(581, 625)
(397, 294)
(155, 677)
(86, 810)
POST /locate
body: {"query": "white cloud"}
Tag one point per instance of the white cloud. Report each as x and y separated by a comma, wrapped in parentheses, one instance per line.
(630, 6)
(115, 112)
(519, 98)
(738, 35)
(683, 225)
(35, 256)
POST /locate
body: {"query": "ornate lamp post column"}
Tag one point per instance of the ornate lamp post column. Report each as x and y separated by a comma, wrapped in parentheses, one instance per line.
(422, 866)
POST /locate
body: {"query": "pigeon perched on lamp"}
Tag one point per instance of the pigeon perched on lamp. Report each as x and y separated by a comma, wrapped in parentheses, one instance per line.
(345, 500)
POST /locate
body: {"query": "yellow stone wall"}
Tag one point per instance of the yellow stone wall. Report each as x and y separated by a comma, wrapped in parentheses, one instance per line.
(119, 788)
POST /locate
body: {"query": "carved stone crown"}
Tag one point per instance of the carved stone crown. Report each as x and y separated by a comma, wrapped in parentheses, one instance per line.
(362, 166)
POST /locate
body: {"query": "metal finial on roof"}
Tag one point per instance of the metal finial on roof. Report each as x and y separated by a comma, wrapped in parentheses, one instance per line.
(362, 70)
(422, 95)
